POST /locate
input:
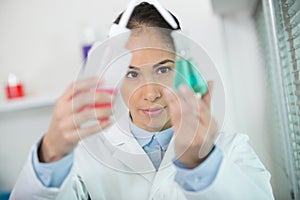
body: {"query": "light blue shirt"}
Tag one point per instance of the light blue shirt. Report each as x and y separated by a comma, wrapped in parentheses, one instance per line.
(52, 174)
(155, 145)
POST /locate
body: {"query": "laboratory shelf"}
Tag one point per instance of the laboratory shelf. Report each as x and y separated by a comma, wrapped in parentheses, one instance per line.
(27, 103)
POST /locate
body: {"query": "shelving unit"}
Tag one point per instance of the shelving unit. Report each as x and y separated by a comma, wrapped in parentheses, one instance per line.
(27, 103)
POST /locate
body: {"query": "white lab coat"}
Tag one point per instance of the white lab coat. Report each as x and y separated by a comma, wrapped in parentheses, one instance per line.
(122, 170)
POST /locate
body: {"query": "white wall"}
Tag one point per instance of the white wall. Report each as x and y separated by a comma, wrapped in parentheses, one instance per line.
(40, 42)
(246, 76)
(18, 132)
(247, 79)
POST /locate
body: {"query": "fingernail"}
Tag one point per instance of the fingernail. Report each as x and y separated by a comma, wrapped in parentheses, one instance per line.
(183, 88)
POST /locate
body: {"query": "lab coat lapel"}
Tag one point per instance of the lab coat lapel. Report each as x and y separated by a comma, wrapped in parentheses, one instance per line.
(127, 149)
(129, 152)
(166, 169)
(169, 155)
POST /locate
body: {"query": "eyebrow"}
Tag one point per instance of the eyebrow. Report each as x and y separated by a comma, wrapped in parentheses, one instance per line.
(154, 66)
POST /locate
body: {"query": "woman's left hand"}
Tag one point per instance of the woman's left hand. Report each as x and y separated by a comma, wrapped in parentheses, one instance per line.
(194, 128)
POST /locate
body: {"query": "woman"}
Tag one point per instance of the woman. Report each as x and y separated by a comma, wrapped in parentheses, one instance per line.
(170, 151)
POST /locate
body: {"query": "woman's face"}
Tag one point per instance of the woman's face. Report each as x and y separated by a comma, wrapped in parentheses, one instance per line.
(151, 70)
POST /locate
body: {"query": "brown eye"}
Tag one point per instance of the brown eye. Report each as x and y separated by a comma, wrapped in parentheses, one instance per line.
(132, 74)
(163, 70)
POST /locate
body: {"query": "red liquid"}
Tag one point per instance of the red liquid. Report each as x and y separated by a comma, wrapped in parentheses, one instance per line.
(102, 105)
(109, 91)
(14, 91)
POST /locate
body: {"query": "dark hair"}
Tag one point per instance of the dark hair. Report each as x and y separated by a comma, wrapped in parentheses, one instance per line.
(146, 15)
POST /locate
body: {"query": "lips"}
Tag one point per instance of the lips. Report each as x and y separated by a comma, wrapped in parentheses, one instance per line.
(153, 112)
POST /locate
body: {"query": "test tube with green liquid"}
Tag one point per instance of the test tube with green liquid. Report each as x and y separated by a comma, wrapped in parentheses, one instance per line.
(187, 74)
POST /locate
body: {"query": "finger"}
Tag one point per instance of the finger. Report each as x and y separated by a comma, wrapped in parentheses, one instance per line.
(79, 86)
(93, 129)
(209, 133)
(172, 100)
(88, 85)
(179, 110)
(90, 99)
(189, 96)
(182, 103)
(204, 113)
(207, 96)
(92, 114)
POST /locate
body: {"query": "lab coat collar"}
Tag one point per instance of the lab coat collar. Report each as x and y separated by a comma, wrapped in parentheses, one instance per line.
(128, 150)
(119, 141)
(143, 136)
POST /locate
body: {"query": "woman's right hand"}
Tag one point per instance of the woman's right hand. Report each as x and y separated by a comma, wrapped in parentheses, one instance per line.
(71, 111)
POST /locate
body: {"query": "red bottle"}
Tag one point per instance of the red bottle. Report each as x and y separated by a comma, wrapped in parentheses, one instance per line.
(14, 89)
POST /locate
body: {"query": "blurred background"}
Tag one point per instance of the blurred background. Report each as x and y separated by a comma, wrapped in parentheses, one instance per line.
(255, 45)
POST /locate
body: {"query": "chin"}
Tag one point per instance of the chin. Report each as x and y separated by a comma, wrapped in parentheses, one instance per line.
(156, 125)
(153, 124)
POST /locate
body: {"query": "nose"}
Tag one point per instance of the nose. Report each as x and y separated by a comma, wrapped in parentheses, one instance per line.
(151, 92)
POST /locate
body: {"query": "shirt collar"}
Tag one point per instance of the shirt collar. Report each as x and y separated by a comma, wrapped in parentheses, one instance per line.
(144, 137)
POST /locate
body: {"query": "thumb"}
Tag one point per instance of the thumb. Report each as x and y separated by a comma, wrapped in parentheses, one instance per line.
(207, 96)
(172, 100)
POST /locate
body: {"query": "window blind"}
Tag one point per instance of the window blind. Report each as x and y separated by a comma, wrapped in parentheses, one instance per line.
(278, 28)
